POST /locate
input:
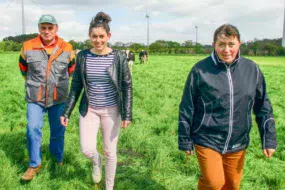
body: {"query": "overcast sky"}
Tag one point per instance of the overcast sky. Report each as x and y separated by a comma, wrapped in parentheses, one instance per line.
(173, 20)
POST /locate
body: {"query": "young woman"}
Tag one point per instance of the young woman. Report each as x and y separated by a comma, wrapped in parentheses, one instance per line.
(104, 76)
(215, 112)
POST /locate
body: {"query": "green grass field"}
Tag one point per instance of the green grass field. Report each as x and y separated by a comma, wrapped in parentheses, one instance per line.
(148, 157)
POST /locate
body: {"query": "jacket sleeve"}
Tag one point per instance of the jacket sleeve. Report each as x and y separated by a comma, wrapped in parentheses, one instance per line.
(264, 115)
(75, 90)
(71, 64)
(126, 90)
(23, 64)
(186, 112)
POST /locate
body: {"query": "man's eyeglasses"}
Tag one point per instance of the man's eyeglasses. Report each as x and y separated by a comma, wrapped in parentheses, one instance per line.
(44, 28)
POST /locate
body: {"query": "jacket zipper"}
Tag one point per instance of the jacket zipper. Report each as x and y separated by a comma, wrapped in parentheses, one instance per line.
(231, 109)
(84, 78)
(46, 82)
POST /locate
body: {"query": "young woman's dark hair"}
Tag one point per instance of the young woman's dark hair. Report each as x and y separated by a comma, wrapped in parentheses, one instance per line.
(100, 20)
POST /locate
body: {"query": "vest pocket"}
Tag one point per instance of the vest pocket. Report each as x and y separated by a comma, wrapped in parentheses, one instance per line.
(35, 65)
(34, 91)
(61, 65)
(60, 91)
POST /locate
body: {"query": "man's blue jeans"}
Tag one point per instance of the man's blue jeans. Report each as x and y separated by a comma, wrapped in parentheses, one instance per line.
(35, 117)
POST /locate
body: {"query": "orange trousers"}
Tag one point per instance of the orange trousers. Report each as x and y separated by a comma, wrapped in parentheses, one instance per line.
(219, 171)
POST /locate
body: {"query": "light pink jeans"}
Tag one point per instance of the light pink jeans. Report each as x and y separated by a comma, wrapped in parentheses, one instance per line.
(110, 120)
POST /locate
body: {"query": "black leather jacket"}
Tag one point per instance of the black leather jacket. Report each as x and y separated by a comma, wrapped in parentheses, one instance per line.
(216, 106)
(120, 75)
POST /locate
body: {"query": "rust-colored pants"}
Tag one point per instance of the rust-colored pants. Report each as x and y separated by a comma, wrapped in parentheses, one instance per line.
(219, 171)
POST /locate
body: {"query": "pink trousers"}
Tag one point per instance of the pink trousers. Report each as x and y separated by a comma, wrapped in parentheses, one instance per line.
(110, 120)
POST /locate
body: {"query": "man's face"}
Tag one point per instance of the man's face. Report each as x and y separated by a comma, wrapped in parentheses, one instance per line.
(48, 32)
(227, 48)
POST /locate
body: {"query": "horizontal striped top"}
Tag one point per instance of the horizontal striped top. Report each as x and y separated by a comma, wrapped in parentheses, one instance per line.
(101, 90)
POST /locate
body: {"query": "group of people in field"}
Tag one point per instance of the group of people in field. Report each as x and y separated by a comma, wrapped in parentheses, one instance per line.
(214, 113)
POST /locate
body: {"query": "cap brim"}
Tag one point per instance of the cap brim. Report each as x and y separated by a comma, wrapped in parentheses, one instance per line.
(47, 22)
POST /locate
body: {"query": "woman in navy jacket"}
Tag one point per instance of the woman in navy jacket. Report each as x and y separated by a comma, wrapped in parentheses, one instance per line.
(215, 112)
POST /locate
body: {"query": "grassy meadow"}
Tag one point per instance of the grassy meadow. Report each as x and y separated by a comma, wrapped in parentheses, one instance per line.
(148, 157)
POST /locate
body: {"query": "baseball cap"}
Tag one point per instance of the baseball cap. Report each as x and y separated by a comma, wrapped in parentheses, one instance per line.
(47, 19)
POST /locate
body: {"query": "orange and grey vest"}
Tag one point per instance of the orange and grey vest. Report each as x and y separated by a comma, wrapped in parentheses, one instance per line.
(47, 76)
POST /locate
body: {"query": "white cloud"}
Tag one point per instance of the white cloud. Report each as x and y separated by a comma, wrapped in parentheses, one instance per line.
(170, 19)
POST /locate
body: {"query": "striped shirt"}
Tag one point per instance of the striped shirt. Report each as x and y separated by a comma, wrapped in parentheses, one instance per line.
(101, 90)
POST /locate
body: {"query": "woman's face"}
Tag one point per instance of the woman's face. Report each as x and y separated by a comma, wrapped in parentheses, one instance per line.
(99, 38)
(227, 48)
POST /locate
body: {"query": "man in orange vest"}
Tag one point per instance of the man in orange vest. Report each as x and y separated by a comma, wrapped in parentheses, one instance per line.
(46, 63)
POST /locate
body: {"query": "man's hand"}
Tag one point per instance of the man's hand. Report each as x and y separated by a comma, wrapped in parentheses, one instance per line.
(64, 121)
(268, 152)
(125, 123)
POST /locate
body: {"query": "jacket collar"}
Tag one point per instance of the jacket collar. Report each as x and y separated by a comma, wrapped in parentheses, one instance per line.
(86, 51)
(37, 43)
(219, 63)
(82, 55)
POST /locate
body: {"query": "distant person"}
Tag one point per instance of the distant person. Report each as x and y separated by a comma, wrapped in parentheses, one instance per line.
(141, 56)
(103, 75)
(215, 112)
(46, 62)
(130, 59)
(146, 56)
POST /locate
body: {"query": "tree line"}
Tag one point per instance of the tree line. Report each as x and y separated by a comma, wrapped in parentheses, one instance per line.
(262, 47)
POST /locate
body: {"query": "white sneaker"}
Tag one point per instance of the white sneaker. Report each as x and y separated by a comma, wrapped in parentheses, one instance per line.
(97, 170)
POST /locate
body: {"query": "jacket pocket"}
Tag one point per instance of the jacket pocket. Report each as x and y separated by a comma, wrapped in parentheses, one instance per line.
(61, 65)
(201, 122)
(34, 91)
(60, 91)
(35, 65)
(248, 116)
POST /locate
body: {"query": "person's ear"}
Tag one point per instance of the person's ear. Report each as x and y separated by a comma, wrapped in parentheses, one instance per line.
(109, 35)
